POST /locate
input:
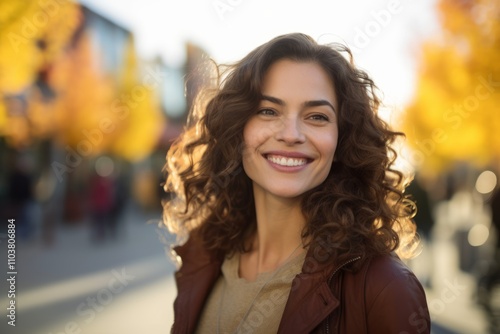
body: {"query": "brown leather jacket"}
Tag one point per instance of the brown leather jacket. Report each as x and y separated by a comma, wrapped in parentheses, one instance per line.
(383, 296)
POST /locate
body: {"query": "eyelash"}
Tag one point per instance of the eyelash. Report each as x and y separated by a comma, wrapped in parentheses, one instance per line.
(272, 112)
(267, 112)
(321, 117)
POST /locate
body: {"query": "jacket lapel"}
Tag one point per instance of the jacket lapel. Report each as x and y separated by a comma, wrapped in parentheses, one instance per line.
(309, 303)
(192, 291)
(195, 279)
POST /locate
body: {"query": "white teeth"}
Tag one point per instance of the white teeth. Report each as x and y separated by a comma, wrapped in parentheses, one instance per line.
(289, 162)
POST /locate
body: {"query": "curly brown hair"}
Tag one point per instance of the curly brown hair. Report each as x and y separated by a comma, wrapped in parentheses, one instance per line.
(360, 208)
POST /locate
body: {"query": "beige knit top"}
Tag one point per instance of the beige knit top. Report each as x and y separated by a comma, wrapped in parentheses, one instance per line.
(260, 302)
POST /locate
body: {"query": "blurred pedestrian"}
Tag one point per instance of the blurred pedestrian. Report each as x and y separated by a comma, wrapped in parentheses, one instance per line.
(424, 220)
(291, 204)
(489, 279)
(119, 201)
(101, 206)
(492, 276)
(424, 217)
(494, 204)
(20, 194)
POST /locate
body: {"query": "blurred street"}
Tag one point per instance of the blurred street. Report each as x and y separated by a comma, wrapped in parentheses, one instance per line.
(450, 268)
(126, 285)
(119, 286)
(452, 300)
(94, 93)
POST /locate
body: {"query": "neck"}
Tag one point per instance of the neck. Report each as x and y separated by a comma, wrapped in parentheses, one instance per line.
(279, 227)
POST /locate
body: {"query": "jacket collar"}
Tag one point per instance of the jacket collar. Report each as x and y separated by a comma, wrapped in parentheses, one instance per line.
(195, 279)
(309, 303)
(311, 299)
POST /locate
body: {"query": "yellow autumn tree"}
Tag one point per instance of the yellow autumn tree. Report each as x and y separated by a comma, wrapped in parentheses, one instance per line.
(141, 120)
(454, 115)
(87, 112)
(81, 112)
(32, 35)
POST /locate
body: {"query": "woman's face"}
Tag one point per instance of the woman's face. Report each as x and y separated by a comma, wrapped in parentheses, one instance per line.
(290, 141)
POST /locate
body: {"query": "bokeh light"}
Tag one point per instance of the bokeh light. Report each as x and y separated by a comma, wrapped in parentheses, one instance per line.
(478, 235)
(486, 182)
(104, 166)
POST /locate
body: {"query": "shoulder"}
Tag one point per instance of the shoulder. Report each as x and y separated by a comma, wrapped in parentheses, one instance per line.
(387, 275)
(387, 269)
(393, 297)
(193, 255)
(383, 275)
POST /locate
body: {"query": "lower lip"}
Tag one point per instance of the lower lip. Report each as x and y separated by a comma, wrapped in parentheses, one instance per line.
(287, 169)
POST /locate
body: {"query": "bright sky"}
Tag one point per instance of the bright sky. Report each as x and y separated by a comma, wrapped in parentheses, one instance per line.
(385, 35)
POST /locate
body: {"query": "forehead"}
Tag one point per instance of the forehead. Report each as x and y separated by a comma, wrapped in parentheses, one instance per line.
(293, 79)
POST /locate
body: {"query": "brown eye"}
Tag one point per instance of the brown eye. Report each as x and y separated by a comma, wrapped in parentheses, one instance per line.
(319, 117)
(267, 112)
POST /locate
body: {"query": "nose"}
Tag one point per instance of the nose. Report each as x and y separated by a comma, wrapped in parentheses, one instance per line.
(290, 131)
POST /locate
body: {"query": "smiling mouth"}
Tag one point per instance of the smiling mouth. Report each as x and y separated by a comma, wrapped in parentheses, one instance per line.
(286, 161)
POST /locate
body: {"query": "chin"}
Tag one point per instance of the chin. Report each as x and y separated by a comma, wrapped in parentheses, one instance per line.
(288, 193)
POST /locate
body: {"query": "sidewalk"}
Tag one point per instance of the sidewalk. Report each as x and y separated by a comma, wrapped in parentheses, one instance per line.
(452, 296)
(121, 286)
(455, 312)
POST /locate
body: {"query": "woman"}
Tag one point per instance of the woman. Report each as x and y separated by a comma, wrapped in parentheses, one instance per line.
(285, 186)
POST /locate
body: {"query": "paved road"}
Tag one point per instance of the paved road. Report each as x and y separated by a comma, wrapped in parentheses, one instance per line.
(76, 286)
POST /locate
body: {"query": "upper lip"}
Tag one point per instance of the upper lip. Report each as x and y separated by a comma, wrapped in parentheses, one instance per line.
(286, 154)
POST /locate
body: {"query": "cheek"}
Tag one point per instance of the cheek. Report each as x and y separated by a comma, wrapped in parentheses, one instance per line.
(328, 149)
(249, 162)
(248, 147)
(328, 145)
(247, 134)
(333, 148)
(255, 133)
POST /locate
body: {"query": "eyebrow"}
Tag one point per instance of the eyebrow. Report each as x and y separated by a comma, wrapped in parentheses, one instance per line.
(312, 103)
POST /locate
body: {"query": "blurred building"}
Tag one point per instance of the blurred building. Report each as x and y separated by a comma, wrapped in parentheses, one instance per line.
(92, 103)
(109, 41)
(178, 91)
